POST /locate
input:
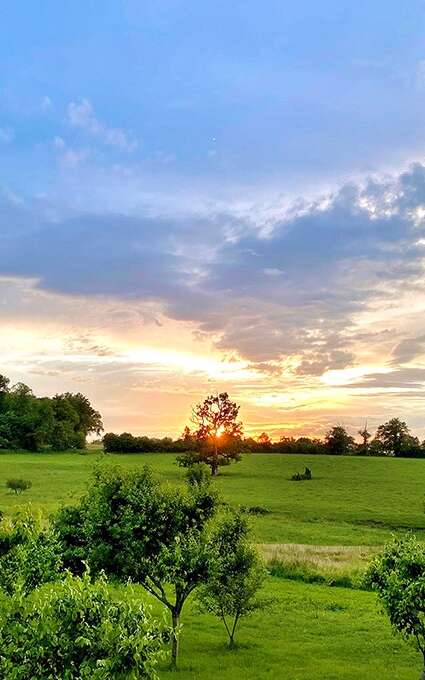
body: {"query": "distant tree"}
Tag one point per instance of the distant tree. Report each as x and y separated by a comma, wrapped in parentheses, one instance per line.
(133, 529)
(393, 436)
(4, 383)
(217, 431)
(29, 422)
(339, 442)
(398, 576)
(236, 574)
(76, 419)
(187, 435)
(302, 445)
(264, 441)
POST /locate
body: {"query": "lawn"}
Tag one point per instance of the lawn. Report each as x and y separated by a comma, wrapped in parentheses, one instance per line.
(349, 501)
(311, 631)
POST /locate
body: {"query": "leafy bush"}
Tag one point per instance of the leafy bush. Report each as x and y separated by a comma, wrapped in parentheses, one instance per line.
(29, 554)
(198, 474)
(18, 485)
(398, 576)
(77, 631)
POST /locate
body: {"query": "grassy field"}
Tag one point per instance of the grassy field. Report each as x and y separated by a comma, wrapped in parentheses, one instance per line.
(349, 501)
(328, 526)
(311, 632)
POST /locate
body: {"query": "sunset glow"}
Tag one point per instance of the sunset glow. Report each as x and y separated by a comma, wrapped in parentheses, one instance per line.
(165, 234)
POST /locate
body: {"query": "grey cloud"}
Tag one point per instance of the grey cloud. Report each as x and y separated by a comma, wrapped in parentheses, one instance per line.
(328, 261)
(409, 349)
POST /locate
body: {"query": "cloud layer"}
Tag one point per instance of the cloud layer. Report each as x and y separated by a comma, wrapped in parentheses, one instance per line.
(291, 288)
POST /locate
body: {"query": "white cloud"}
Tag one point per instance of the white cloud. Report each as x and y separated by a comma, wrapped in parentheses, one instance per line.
(81, 114)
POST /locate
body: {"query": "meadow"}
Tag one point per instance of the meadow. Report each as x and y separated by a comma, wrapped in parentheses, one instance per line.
(332, 523)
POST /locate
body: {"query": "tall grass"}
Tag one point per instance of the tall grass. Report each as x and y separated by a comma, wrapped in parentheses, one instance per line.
(342, 566)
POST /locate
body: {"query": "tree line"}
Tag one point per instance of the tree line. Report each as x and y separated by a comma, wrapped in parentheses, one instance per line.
(215, 436)
(36, 423)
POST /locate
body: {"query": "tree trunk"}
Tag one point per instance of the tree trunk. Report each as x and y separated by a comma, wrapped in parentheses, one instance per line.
(214, 462)
(174, 639)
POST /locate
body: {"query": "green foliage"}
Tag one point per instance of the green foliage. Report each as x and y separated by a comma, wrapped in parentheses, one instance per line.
(394, 439)
(398, 576)
(77, 631)
(29, 554)
(133, 529)
(236, 574)
(29, 422)
(18, 485)
(128, 443)
(338, 442)
(198, 475)
(217, 431)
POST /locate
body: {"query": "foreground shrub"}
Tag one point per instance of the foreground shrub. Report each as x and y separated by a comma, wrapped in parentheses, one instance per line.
(18, 485)
(29, 554)
(198, 475)
(77, 631)
(133, 529)
(398, 576)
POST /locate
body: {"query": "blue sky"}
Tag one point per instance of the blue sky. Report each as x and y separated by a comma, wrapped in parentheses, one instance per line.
(188, 187)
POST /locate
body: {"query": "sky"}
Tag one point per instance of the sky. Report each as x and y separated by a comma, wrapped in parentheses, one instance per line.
(209, 196)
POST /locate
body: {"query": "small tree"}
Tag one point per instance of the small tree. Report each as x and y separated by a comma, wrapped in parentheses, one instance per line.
(77, 630)
(236, 575)
(217, 431)
(132, 528)
(338, 442)
(398, 576)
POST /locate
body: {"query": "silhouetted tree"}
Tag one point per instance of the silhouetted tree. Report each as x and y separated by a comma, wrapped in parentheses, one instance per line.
(394, 437)
(338, 442)
(264, 441)
(218, 432)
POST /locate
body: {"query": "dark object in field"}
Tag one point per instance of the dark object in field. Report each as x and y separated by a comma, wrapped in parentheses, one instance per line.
(299, 477)
(18, 485)
(255, 510)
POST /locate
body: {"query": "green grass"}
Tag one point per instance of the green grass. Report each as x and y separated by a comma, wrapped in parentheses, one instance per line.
(312, 630)
(349, 501)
